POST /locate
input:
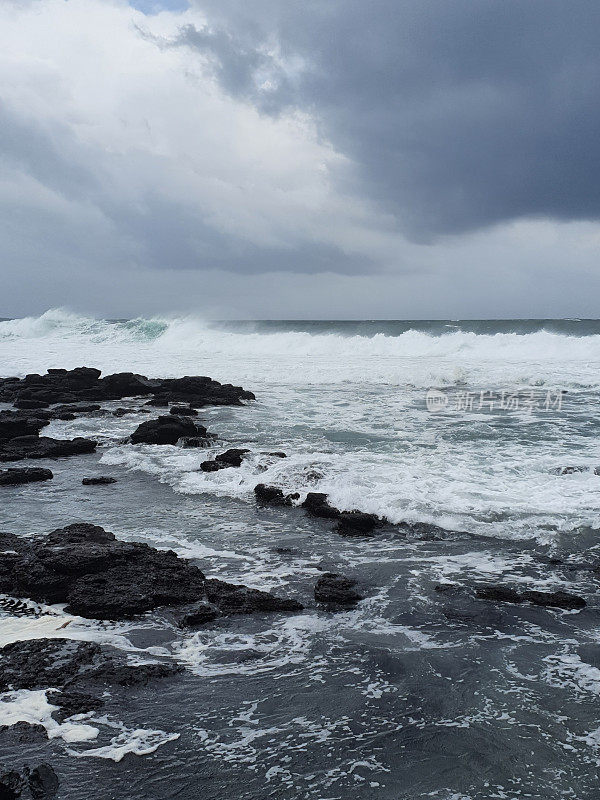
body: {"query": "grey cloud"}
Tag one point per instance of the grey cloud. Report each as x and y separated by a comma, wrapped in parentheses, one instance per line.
(459, 115)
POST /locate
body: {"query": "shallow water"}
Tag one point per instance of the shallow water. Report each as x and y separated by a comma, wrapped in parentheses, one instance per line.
(413, 694)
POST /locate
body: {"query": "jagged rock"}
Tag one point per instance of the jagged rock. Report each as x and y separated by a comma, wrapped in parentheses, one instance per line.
(14, 476)
(183, 411)
(273, 496)
(166, 430)
(100, 480)
(30, 404)
(85, 384)
(230, 458)
(71, 702)
(44, 447)
(569, 470)
(316, 505)
(336, 590)
(101, 577)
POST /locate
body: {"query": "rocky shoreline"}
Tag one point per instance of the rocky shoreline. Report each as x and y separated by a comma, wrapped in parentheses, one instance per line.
(98, 576)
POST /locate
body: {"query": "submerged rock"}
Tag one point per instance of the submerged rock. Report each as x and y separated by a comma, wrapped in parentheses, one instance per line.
(100, 480)
(166, 430)
(336, 590)
(14, 476)
(504, 594)
(13, 424)
(100, 577)
(44, 447)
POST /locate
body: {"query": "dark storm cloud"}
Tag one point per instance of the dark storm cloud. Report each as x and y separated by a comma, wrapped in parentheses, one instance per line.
(459, 115)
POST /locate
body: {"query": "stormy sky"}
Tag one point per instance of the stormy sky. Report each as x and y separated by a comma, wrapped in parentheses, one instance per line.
(300, 158)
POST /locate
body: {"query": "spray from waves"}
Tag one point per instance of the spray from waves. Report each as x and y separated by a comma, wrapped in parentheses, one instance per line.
(322, 353)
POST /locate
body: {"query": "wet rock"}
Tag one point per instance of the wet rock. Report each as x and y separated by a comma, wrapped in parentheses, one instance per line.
(336, 590)
(501, 594)
(44, 447)
(100, 480)
(554, 599)
(569, 470)
(197, 614)
(31, 404)
(85, 384)
(71, 702)
(316, 505)
(197, 441)
(14, 424)
(357, 523)
(14, 476)
(230, 458)
(166, 430)
(271, 495)
(100, 577)
(76, 408)
(12, 784)
(231, 598)
(43, 782)
(504, 594)
(183, 411)
(276, 454)
(24, 733)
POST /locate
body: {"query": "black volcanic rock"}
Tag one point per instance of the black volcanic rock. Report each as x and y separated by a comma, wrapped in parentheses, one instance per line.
(100, 480)
(166, 430)
(44, 447)
(183, 411)
(14, 423)
(13, 476)
(271, 495)
(230, 458)
(336, 590)
(504, 594)
(357, 523)
(85, 384)
(316, 505)
(100, 577)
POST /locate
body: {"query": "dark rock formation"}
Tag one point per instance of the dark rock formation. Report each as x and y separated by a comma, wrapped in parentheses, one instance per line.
(166, 430)
(14, 423)
(13, 476)
(23, 732)
(43, 782)
(197, 614)
(197, 441)
(548, 599)
(44, 447)
(336, 590)
(100, 480)
(230, 458)
(271, 495)
(101, 577)
(357, 523)
(183, 411)
(84, 384)
(570, 470)
(316, 505)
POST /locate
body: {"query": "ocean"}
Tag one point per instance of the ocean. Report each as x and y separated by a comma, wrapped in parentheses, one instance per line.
(465, 425)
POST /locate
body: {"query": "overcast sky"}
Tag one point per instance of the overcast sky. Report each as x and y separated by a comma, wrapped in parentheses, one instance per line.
(300, 158)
